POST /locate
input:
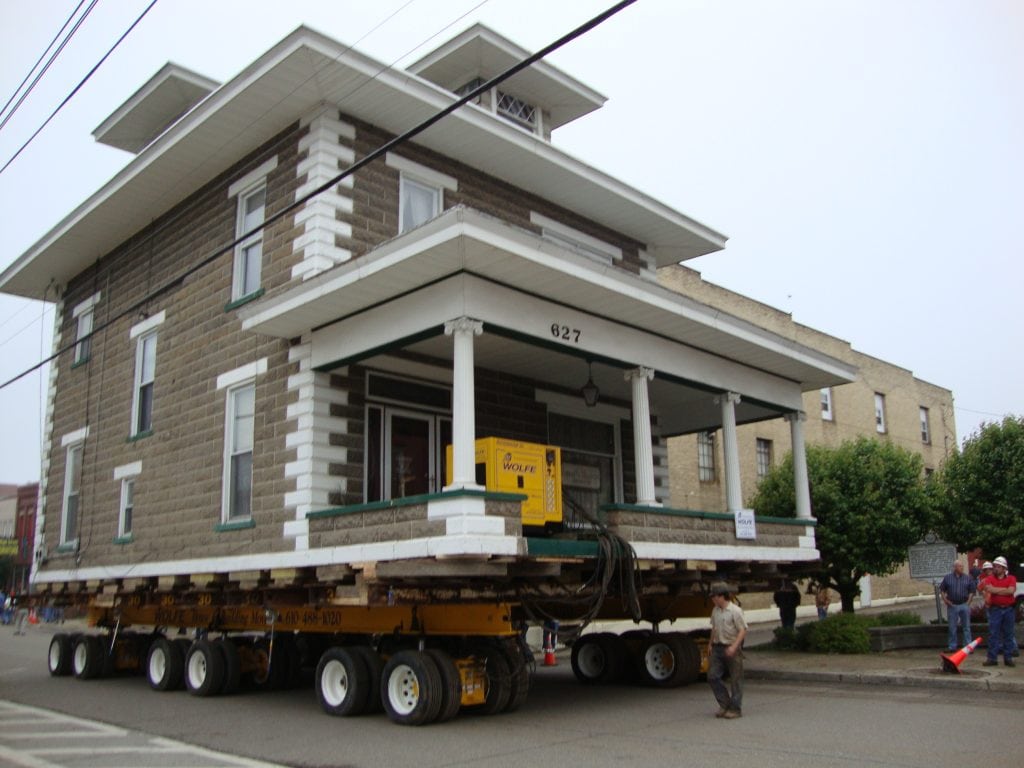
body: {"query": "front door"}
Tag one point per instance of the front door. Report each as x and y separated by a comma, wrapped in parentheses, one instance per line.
(410, 455)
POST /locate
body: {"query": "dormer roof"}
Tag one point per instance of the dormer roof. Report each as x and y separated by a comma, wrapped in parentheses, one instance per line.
(165, 97)
(480, 52)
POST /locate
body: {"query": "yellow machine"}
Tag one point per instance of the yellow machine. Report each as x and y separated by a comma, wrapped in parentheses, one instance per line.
(511, 466)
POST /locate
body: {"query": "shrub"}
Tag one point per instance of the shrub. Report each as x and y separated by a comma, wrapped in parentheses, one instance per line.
(842, 633)
(786, 640)
(897, 619)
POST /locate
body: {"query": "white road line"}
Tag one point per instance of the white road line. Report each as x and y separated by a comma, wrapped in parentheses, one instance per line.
(23, 759)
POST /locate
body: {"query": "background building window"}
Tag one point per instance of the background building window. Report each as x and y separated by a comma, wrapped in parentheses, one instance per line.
(238, 442)
(145, 373)
(706, 457)
(764, 457)
(124, 526)
(879, 412)
(72, 479)
(249, 256)
(826, 404)
(926, 433)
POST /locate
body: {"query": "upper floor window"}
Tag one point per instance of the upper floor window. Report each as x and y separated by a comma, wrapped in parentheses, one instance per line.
(238, 448)
(926, 433)
(574, 240)
(145, 375)
(764, 457)
(706, 457)
(75, 445)
(420, 191)
(144, 334)
(83, 313)
(516, 110)
(126, 510)
(826, 404)
(879, 412)
(249, 253)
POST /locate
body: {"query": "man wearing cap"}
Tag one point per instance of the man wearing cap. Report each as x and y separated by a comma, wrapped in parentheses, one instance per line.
(999, 588)
(728, 628)
(956, 590)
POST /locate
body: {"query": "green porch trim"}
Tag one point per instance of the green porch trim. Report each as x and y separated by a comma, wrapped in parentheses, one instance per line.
(240, 525)
(411, 501)
(669, 512)
(560, 547)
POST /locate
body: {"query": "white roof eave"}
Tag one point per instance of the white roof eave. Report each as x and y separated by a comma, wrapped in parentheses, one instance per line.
(308, 68)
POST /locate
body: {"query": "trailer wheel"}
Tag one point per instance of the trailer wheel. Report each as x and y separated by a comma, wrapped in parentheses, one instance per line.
(451, 684)
(165, 665)
(519, 675)
(375, 671)
(499, 682)
(691, 670)
(89, 659)
(342, 682)
(232, 665)
(663, 661)
(410, 688)
(597, 658)
(204, 669)
(58, 658)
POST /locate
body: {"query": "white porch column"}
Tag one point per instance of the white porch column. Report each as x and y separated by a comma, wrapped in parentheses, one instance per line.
(730, 447)
(463, 330)
(800, 480)
(643, 455)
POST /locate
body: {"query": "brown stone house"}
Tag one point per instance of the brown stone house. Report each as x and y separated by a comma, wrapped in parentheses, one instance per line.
(240, 390)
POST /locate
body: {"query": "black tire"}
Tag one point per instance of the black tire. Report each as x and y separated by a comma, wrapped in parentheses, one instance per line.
(375, 671)
(58, 659)
(204, 669)
(691, 673)
(597, 659)
(499, 682)
(342, 682)
(451, 685)
(165, 665)
(519, 675)
(411, 688)
(89, 659)
(663, 661)
(232, 666)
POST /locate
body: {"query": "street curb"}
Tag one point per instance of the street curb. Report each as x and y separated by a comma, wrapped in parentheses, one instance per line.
(885, 678)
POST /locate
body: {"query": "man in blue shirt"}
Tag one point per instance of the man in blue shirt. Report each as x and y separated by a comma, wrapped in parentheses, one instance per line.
(956, 590)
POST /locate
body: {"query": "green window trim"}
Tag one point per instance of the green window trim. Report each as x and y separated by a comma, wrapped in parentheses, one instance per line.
(124, 539)
(139, 436)
(238, 525)
(80, 363)
(232, 305)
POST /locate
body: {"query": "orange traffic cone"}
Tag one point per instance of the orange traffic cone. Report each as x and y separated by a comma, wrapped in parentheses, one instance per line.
(951, 661)
(550, 633)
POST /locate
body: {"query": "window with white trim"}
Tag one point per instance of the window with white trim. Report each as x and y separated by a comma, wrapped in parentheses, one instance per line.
(764, 457)
(516, 110)
(72, 493)
(706, 457)
(926, 432)
(145, 374)
(420, 191)
(83, 347)
(249, 253)
(238, 451)
(124, 518)
(826, 404)
(574, 240)
(879, 412)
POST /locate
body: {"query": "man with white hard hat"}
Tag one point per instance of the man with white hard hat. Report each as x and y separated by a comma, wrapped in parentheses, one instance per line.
(999, 589)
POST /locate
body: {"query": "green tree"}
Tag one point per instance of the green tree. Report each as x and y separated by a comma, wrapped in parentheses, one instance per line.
(982, 491)
(871, 504)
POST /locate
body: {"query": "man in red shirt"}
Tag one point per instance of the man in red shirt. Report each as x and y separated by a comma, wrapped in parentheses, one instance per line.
(999, 589)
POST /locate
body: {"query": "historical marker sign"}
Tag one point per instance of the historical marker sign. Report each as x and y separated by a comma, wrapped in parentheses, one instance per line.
(931, 559)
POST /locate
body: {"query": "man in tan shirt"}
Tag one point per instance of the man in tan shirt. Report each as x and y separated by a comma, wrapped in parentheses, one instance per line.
(728, 629)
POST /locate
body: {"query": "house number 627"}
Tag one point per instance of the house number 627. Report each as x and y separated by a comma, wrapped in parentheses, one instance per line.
(565, 333)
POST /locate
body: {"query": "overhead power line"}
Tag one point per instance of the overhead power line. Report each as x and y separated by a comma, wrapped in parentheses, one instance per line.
(49, 61)
(333, 182)
(78, 87)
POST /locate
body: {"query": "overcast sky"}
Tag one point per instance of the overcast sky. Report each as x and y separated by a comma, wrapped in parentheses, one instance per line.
(866, 159)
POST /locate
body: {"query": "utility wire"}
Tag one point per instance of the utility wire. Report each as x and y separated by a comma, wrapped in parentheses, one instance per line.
(49, 61)
(333, 182)
(78, 87)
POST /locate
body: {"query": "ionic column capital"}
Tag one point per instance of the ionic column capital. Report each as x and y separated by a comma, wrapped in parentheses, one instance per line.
(463, 325)
(640, 372)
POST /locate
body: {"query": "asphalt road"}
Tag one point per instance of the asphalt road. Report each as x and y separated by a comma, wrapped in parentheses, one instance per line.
(562, 724)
